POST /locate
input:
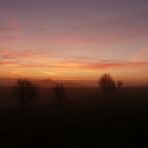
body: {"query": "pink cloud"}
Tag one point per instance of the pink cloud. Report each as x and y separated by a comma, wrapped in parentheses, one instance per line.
(6, 62)
(140, 55)
(8, 38)
(114, 65)
(14, 54)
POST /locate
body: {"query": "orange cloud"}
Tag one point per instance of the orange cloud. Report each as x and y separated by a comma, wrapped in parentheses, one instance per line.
(41, 64)
(43, 59)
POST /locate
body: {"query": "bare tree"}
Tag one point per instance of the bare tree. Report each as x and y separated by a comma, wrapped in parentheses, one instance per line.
(119, 84)
(25, 91)
(59, 92)
(106, 83)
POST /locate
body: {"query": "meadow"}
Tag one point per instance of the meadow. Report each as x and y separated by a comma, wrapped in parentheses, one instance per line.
(86, 118)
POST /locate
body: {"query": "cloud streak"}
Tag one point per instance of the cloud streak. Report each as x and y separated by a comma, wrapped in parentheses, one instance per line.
(22, 54)
(67, 63)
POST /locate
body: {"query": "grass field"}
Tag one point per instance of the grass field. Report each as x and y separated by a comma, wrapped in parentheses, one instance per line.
(87, 118)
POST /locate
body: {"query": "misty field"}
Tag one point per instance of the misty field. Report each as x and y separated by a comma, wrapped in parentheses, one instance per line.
(86, 118)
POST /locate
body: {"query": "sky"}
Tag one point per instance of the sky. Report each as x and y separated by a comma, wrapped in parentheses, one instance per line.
(74, 39)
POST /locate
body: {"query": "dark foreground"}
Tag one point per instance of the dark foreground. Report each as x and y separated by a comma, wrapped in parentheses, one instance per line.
(86, 119)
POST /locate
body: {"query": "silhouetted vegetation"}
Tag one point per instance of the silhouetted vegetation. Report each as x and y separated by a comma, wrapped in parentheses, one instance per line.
(25, 91)
(85, 120)
(119, 84)
(59, 92)
(107, 84)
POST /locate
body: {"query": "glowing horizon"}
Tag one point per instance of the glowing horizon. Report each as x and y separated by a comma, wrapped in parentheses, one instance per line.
(76, 40)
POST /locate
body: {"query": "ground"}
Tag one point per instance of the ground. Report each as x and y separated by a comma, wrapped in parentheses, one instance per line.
(86, 119)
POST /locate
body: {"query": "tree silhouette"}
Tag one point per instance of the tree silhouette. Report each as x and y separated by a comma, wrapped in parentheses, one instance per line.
(59, 92)
(119, 84)
(107, 84)
(25, 91)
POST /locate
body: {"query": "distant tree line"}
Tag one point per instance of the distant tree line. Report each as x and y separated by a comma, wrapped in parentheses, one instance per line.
(25, 91)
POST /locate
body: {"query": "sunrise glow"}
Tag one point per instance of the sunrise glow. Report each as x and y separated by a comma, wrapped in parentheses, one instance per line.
(74, 40)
